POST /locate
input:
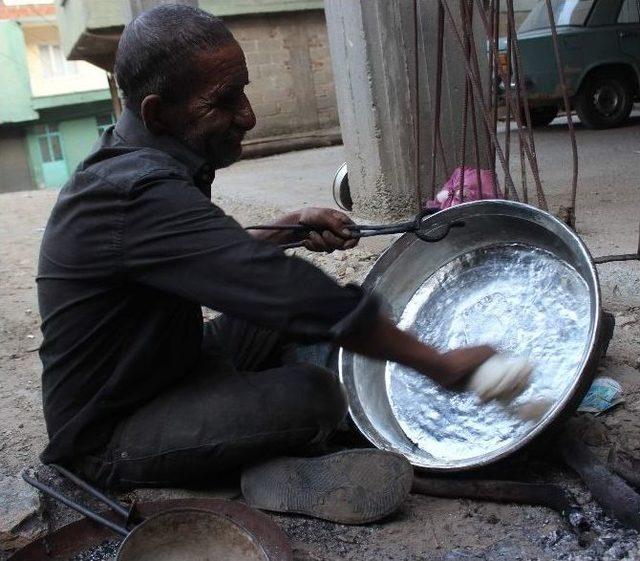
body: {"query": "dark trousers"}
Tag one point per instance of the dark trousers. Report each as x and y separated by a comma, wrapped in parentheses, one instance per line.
(249, 398)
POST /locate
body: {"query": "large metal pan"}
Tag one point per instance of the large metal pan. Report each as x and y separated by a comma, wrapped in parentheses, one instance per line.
(514, 277)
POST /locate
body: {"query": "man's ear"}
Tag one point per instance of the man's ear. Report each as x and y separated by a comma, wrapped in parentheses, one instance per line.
(152, 113)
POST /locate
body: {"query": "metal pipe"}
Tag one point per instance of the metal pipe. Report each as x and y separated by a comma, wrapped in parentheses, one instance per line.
(611, 258)
(115, 506)
(75, 506)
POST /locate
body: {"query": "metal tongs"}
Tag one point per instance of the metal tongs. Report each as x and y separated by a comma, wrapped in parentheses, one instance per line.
(415, 226)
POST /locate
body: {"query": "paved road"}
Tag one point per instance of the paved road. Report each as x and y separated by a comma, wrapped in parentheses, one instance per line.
(608, 205)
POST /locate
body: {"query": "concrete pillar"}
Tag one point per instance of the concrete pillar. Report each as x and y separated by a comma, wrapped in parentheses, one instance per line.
(372, 52)
(132, 8)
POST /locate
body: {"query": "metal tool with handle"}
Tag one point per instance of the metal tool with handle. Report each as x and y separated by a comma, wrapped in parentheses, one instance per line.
(121, 510)
(415, 226)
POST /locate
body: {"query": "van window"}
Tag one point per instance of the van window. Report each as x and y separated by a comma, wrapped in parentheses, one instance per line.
(630, 12)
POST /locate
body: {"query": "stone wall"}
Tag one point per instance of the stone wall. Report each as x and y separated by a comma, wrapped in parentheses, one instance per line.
(291, 87)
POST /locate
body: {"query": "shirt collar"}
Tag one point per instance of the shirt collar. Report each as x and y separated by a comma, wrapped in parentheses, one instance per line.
(131, 128)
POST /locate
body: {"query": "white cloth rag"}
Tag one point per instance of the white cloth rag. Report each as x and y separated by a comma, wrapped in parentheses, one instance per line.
(501, 378)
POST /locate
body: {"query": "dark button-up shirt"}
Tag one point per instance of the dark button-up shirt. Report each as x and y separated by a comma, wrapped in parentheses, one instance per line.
(133, 248)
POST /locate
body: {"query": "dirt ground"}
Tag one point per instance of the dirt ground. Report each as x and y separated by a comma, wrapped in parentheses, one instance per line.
(426, 528)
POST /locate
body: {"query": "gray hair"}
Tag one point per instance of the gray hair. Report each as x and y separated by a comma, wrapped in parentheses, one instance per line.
(156, 50)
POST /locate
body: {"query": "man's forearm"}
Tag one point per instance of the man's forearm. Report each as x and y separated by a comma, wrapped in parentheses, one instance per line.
(386, 342)
(280, 236)
(328, 230)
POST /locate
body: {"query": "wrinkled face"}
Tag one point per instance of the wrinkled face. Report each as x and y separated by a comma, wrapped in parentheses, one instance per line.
(215, 116)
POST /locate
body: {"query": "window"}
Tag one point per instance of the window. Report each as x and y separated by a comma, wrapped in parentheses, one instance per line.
(104, 122)
(565, 12)
(53, 62)
(49, 142)
(630, 12)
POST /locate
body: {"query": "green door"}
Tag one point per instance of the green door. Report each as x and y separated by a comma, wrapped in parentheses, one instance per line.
(54, 167)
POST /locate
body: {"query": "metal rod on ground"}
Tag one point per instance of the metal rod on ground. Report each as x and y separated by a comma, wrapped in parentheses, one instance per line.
(612, 258)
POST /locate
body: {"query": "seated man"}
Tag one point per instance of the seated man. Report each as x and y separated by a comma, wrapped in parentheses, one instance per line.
(137, 390)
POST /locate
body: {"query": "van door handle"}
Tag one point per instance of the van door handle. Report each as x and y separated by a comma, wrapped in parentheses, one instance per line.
(623, 34)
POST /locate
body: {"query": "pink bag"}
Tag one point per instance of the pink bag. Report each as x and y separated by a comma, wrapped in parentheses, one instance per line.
(450, 195)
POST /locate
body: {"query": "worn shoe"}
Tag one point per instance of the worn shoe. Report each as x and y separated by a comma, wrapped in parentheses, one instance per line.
(349, 487)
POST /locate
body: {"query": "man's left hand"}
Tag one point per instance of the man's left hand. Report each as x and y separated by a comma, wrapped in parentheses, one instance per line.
(331, 229)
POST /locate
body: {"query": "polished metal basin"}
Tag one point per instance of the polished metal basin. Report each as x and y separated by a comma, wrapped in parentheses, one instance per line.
(514, 277)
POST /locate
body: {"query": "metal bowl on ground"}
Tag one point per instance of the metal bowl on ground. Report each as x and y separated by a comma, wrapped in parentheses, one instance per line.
(190, 534)
(514, 277)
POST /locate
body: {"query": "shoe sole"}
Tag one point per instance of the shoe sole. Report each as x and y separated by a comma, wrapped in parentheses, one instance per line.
(349, 487)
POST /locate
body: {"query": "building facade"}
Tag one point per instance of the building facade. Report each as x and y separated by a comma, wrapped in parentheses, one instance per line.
(51, 109)
(55, 99)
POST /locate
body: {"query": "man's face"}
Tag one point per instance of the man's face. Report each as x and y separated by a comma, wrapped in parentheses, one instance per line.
(214, 118)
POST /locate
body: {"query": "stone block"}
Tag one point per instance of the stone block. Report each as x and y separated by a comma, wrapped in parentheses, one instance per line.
(19, 513)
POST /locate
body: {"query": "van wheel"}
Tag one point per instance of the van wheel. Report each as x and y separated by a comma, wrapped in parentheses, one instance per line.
(541, 116)
(604, 101)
